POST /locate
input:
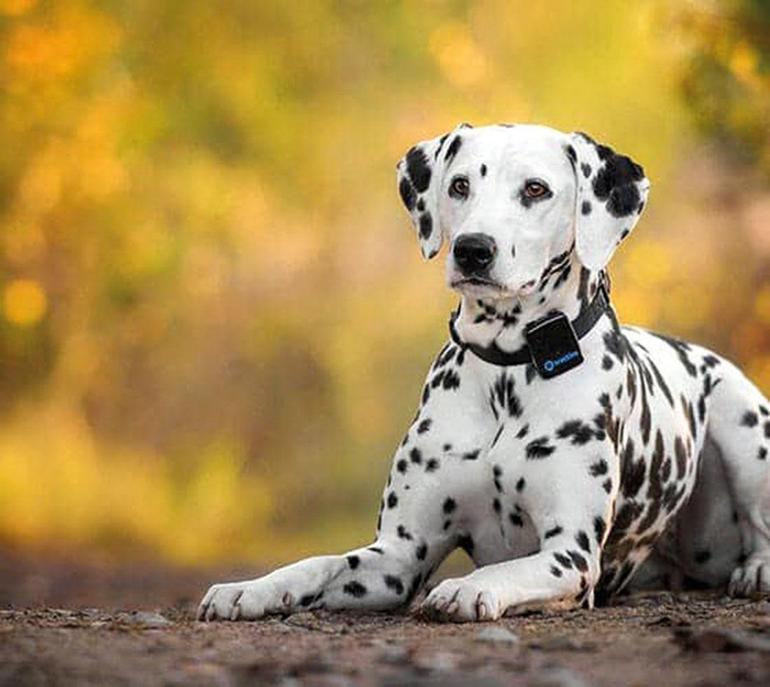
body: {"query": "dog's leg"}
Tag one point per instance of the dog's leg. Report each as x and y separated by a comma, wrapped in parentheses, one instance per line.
(375, 577)
(570, 512)
(739, 423)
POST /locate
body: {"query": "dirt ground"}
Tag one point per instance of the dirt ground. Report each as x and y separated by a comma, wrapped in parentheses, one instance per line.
(65, 623)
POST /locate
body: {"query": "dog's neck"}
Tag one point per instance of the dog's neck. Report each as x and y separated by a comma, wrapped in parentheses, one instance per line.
(568, 288)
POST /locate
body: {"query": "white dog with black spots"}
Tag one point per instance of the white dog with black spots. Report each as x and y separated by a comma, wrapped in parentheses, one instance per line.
(560, 489)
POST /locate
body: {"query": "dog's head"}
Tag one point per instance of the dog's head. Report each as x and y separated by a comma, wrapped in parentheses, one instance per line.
(509, 199)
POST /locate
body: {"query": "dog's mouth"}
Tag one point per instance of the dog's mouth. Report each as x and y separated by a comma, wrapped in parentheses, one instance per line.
(479, 283)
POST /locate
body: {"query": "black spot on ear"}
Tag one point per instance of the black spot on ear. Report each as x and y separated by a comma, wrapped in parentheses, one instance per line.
(418, 169)
(586, 169)
(585, 208)
(483, 170)
(407, 193)
(454, 146)
(420, 204)
(426, 225)
(615, 182)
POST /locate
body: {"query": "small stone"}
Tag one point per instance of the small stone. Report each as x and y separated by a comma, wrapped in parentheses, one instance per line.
(439, 662)
(557, 677)
(496, 635)
(394, 654)
(145, 619)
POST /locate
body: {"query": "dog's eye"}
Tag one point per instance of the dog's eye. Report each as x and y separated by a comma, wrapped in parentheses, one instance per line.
(460, 188)
(535, 189)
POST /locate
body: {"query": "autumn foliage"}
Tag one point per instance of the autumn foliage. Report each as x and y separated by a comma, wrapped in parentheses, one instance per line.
(214, 322)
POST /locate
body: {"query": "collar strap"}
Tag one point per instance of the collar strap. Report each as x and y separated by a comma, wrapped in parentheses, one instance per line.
(580, 326)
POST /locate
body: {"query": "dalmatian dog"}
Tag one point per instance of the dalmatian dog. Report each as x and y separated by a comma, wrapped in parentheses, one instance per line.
(557, 448)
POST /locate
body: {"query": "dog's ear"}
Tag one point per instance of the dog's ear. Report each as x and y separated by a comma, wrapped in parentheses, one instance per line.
(611, 194)
(419, 174)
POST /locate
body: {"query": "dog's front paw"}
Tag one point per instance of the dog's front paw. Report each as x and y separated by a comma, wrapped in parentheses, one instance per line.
(753, 577)
(243, 601)
(462, 601)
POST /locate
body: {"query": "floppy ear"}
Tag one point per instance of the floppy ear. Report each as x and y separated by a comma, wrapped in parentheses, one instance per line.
(419, 175)
(611, 194)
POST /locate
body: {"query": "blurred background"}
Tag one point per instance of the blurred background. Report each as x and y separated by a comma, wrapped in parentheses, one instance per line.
(214, 319)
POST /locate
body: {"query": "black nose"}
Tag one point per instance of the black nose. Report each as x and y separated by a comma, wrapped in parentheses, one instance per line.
(474, 253)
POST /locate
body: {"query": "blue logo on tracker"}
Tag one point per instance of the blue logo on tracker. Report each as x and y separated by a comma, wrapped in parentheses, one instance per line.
(551, 365)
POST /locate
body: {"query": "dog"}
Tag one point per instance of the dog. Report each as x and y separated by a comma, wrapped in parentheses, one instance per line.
(558, 449)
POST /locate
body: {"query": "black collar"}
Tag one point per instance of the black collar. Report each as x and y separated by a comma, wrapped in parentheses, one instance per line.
(580, 326)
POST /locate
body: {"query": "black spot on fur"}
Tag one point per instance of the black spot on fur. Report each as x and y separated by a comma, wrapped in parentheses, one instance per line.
(599, 468)
(407, 193)
(421, 552)
(426, 225)
(392, 500)
(520, 484)
(449, 505)
(424, 426)
(749, 419)
(615, 182)
(415, 455)
(418, 169)
(394, 583)
(577, 431)
(451, 151)
(483, 170)
(355, 589)
(582, 541)
(553, 532)
(539, 448)
(516, 520)
(353, 561)
(580, 562)
(306, 600)
(599, 529)
(585, 207)
(702, 556)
